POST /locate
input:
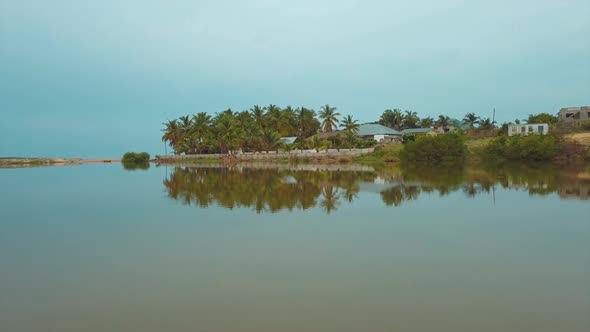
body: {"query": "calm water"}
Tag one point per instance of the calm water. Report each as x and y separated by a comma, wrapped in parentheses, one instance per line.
(99, 248)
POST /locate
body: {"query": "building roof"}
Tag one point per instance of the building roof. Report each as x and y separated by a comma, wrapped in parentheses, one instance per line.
(371, 129)
(416, 130)
(527, 124)
(570, 109)
(288, 139)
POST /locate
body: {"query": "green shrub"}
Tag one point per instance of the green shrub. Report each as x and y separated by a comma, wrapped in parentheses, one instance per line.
(532, 147)
(408, 138)
(435, 149)
(135, 158)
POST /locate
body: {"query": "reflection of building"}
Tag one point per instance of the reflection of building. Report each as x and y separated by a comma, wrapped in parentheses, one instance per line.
(574, 114)
(528, 129)
(575, 191)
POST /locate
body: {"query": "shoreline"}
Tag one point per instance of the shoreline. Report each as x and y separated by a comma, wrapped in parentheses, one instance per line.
(16, 162)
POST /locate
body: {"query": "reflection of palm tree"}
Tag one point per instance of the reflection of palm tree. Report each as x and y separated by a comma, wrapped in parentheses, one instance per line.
(393, 196)
(330, 199)
(470, 189)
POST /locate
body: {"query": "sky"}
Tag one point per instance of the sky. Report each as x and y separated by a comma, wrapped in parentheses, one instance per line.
(95, 79)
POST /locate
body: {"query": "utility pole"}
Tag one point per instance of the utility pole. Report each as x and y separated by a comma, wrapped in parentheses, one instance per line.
(494, 116)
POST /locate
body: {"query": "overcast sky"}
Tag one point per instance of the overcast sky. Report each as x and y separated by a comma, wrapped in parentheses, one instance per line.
(98, 78)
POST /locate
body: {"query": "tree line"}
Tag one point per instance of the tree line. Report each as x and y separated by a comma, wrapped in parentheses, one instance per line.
(261, 128)
(256, 129)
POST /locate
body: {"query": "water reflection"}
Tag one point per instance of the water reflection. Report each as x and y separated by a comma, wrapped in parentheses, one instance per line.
(275, 188)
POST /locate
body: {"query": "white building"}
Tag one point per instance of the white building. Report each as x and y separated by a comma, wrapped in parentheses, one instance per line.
(528, 129)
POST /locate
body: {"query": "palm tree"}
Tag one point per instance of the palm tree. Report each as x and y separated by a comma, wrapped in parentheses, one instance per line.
(426, 122)
(229, 134)
(184, 127)
(410, 119)
(471, 119)
(200, 130)
(391, 118)
(329, 116)
(258, 115)
(316, 142)
(270, 139)
(273, 117)
(350, 138)
(307, 124)
(288, 122)
(349, 124)
(443, 122)
(171, 133)
(487, 124)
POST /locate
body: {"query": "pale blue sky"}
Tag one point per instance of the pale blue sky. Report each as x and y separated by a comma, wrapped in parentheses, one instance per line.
(97, 78)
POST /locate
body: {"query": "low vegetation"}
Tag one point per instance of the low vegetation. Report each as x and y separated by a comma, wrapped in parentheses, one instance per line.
(449, 147)
(383, 154)
(532, 147)
(135, 158)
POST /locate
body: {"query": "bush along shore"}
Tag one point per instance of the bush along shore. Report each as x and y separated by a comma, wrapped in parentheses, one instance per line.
(453, 147)
(136, 161)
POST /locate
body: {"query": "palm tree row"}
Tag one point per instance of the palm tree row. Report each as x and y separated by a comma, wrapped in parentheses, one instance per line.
(400, 120)
(257, 129)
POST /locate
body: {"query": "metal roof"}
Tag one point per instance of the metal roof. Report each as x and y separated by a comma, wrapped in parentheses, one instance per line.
(416, 130)
(370, 129)
(288, 139)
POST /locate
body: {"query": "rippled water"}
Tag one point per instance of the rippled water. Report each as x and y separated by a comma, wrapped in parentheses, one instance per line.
(311, 248)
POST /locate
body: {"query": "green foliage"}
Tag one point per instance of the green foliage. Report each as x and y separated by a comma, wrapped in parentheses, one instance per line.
(585, 125)
(317, 143)
(426, 122)
(471, 119)
(329, 118)
(397, 120)
(135, 158)
(387, 153)
(443, 122)
(487, 124)
(392, 118)
(366, 143)
(542, 118)
(532, 147)
(408, 138)
(435, 149)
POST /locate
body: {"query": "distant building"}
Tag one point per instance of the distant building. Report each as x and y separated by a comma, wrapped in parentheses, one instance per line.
(528, 129)
(574, 114)
(418, 131)
(378, 132)
(288, 139)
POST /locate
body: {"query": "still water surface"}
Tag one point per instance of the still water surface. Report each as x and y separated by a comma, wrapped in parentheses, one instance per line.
(99, 248)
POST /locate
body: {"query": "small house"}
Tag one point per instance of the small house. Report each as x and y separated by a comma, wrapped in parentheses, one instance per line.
(528, 129)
